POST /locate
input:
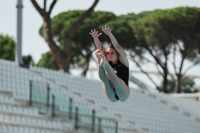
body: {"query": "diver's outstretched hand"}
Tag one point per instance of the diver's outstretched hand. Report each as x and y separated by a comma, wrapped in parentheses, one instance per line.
(94, 33)
(106, 30)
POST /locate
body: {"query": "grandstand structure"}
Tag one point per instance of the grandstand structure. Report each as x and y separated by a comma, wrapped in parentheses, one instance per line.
(39, 100)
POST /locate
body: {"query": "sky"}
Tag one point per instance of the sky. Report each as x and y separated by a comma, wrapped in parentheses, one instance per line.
(34, 44)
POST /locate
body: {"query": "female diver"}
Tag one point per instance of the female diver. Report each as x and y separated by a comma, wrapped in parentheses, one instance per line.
(113, 67)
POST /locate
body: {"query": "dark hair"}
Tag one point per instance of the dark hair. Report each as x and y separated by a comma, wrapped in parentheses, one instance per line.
(112, 46)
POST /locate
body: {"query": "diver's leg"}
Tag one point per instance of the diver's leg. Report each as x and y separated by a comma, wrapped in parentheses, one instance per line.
(121, 89)
(107, 86)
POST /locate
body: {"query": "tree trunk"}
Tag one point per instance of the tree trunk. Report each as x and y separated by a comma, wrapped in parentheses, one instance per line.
(58, 55)
(62, 58)
(136, 62)
(69, 35)
(86, 65)
(179, 76)
(165, 81)
(175, 85)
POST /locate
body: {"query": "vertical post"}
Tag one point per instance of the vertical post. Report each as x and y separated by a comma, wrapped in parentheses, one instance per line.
(76, 119)
(48, 93)
(30, 93)
(116, 127)
(70, 108)
(53, 106)
(99, 128)
(93, 121)
(198, 98)
(18, 53)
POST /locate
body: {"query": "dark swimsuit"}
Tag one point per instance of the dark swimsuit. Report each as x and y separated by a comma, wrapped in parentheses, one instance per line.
(121, 71)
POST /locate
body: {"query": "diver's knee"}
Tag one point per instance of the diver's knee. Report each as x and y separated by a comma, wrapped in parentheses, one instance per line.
(123, 99)
(113, 99)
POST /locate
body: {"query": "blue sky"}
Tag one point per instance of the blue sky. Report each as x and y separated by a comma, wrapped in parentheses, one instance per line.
(34, 45)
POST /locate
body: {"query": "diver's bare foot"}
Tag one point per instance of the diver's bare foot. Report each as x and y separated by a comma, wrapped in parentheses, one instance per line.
(102, 59)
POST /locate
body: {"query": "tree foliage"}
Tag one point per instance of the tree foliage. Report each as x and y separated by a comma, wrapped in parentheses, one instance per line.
(47, 60)
(163, 33)
(7, 50)
(7, 47)
(28, 60)
(187, 85)
(157, 37)
(61, 56)
(82, 45)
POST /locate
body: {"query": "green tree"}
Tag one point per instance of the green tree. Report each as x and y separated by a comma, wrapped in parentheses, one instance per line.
(185, 28)
(152, 40)
(28, 60)
(7, 47)
(133, 17)
(61, 56)
(83, 44)
(7, 51)
(187, 85)
(166, 33)
(47, 60)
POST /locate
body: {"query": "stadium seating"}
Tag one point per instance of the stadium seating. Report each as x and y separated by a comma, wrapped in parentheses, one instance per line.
(149, 110)
(15, 81)
(16, 118)
(154, 112)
